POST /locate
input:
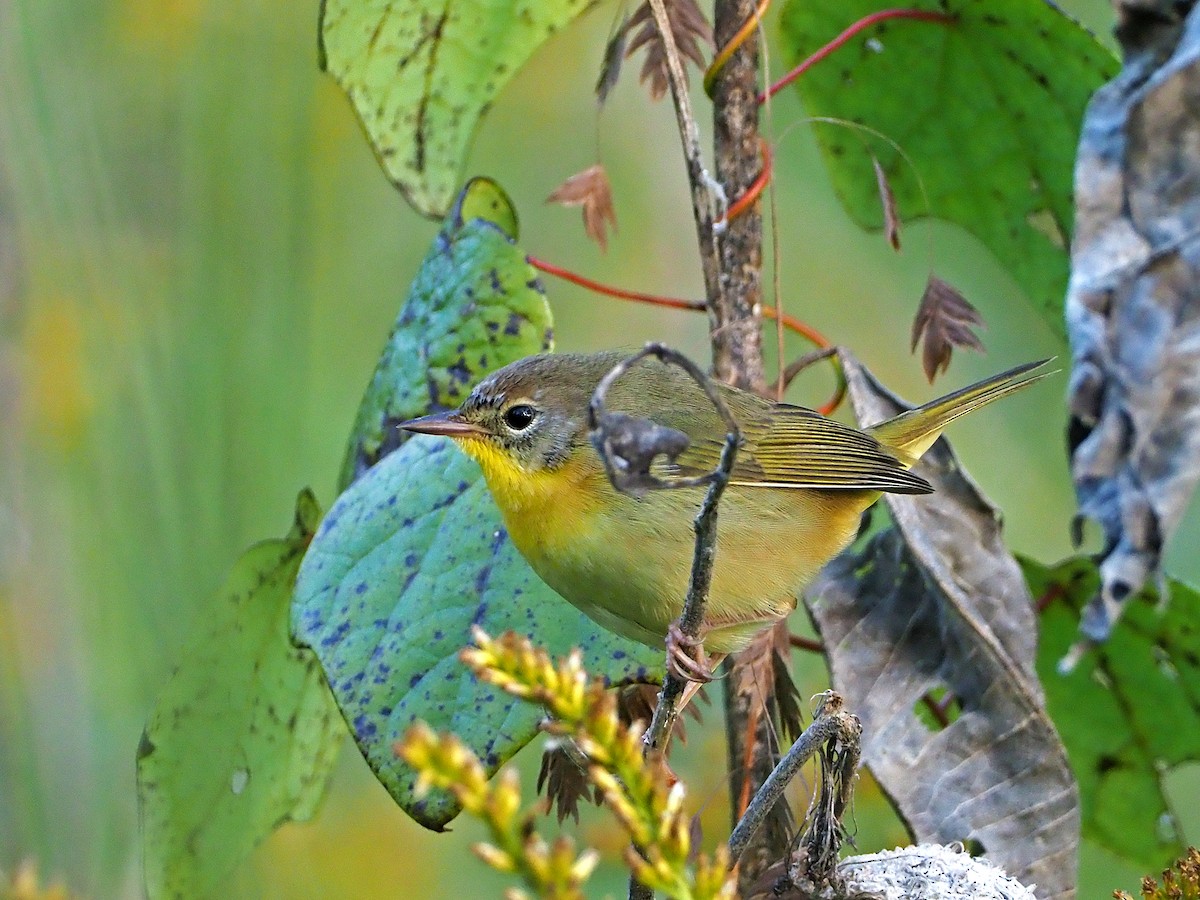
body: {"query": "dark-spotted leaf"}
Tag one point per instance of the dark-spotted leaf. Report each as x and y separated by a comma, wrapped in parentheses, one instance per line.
(475, 305)
(937, 603)
(1128, 710)
(244, 735)
(413, 553)
(408, 559)
(421, 74)
(987, 107)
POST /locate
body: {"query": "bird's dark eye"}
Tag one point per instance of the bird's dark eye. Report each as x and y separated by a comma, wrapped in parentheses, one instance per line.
(520, 417)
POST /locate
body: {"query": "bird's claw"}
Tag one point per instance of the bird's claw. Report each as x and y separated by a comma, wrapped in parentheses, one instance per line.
(685, 656)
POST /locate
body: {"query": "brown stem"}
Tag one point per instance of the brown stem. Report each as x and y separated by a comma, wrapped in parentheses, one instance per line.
(736, 334)
(800, 642)
(707, 204)
(735, 312)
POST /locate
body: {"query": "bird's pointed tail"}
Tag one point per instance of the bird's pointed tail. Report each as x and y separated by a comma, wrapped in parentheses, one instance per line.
(913, 432)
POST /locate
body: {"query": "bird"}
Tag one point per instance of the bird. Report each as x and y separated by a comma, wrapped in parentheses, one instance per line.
(796, 494)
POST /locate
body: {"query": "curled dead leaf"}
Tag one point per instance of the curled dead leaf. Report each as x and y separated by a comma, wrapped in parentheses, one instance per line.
(891, 217)
(1133, 306)
(938, 601)
(763, 671)
(945, 320)
(590, 190)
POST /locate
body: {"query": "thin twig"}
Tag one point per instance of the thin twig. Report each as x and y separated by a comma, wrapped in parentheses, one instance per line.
(814, 356)
(832, 722)
(666, 712)
(708, 202)
(789, 321)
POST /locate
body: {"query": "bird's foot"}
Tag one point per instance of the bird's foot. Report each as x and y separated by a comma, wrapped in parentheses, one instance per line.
(685, 656)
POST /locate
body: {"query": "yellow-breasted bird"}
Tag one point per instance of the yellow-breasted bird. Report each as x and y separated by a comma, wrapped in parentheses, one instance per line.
(798, 489)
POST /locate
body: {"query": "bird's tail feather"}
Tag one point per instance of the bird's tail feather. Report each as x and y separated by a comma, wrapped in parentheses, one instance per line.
(913, 432)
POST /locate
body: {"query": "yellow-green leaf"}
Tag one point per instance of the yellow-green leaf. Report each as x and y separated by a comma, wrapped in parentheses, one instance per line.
(245, 733)
(421, 74)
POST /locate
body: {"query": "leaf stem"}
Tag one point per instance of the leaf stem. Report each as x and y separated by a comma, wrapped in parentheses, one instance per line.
(922, 15)
(691, 620)
(790, 322)
(727, 51)
(708, 200)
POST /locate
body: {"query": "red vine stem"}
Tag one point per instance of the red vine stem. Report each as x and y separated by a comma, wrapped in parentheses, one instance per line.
(743, 203)
(858, 27)
(608, 290)
(718, 63)
(1052, 593)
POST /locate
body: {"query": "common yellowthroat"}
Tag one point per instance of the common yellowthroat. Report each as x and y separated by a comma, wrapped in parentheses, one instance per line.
(798, 489)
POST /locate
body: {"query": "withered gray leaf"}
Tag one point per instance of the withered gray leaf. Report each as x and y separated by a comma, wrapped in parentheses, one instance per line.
(1133, 306)
(937, 601)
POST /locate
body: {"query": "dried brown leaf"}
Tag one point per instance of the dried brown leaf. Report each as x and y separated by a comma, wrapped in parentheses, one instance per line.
(937, 601)
(764, 672)
(565, 781)
(589, 189)
(945, 319)
(891, 218)
(688, 26)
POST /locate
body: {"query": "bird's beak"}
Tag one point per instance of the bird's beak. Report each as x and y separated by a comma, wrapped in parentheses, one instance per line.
(446, 424)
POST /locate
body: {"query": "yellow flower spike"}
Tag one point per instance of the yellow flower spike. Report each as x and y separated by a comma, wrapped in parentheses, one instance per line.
(506, 796)
(495, 857)
(583, 867)
(674, 802)
(641, 869)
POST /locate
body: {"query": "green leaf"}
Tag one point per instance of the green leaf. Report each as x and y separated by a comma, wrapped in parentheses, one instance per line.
(421, 74)
(475, 305)
(244, 735)
(988, 108)
(408, 559)
(414, 553)
(1128, 711)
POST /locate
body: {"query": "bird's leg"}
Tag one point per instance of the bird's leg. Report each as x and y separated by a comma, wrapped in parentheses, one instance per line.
(685, 657)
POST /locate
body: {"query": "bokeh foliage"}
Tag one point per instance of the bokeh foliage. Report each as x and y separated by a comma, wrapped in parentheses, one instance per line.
(199, 260)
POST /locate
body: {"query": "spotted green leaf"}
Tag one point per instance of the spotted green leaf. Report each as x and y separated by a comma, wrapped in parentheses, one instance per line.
(475, 305)
(420, 75)
(413, 552)
(987, 107)
(1128, 711)
(245, 733)
(408, 559)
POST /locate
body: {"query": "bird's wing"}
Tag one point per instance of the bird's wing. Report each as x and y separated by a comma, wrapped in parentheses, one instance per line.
(792, 447)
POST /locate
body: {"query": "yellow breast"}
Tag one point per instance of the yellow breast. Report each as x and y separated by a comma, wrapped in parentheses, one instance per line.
(544, 510)
(626, 562)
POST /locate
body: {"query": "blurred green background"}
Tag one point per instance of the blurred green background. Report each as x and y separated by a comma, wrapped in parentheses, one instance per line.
(199, 262)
